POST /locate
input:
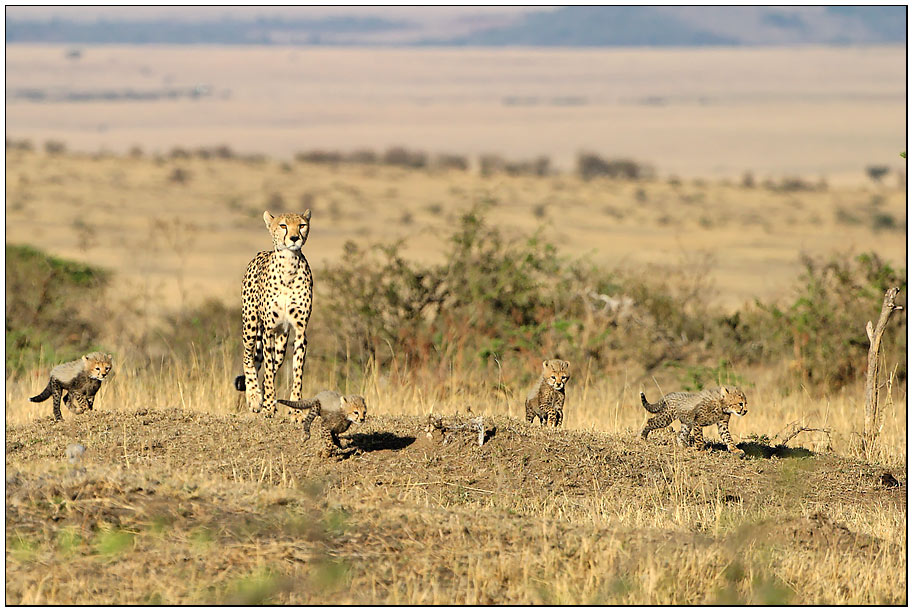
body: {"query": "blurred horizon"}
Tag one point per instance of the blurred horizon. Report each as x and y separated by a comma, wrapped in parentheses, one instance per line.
(591, 26)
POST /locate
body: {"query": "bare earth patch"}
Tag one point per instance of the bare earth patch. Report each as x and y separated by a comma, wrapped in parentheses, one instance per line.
(177, 507)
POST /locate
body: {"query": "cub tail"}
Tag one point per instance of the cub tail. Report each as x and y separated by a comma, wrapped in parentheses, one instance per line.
(240, 385)
(654, 408)
(302, 405)
(43, 395)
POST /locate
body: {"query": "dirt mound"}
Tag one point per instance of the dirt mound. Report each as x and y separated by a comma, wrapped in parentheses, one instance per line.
(816, 531)
(248, 509)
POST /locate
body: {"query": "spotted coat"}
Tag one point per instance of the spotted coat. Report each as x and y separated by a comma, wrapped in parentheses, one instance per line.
(546, 399)
(276, 300)
(696, 411)
(76, 382)
(337, 413)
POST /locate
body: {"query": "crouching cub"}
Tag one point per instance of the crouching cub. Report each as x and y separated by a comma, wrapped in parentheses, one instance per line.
(80, 379)
(546, 399)
(337, 412)
(696, 411)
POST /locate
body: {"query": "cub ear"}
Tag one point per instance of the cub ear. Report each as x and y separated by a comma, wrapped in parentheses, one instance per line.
(307, 214)
(725, 391)
(85, 359)
(267, 218)
(110, 357)
(567, 364)
(545, 363)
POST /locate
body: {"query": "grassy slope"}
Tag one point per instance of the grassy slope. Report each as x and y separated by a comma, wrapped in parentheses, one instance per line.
(241, 511)
(179, 241)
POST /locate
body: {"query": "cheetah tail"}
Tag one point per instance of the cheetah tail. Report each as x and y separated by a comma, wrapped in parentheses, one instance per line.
(657, 407)
(43, 395)
(240, 383)
(302, 405)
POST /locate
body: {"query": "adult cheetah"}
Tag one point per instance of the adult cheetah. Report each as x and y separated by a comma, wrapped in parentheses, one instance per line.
(276, 298)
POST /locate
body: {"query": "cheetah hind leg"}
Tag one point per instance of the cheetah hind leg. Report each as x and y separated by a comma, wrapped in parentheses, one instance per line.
(657, 422)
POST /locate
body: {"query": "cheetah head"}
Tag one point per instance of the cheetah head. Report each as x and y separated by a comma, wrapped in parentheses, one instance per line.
(556, 373)
(290, 230)
(354, 407)
(97, 365)
(734, 401)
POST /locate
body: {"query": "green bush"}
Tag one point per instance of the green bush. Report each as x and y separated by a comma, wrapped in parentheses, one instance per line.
(49, 308)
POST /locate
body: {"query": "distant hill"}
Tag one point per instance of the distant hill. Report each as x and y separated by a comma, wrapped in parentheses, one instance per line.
(591, 26)
(689, 26)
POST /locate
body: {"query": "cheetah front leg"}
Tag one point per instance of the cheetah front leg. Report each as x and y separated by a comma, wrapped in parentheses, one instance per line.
(331, 445)
(280, 343)
(699, 437)
(269, 374)
(252, 340)
(301, 349)
(723, 426)
(684, 436)
(77, 402)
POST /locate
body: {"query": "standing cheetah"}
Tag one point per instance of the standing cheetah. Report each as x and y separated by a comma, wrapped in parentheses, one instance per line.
(696, 411)
(276, 298)
(546, 399)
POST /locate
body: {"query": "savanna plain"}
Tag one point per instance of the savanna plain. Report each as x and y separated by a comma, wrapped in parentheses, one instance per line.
(440, 286)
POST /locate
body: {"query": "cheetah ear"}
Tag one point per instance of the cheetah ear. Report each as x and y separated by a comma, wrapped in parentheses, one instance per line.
(307, 214)
(545, 363)
(567, 365)
(725, 391)
(110, 357)
(85, 359)
(267, 218)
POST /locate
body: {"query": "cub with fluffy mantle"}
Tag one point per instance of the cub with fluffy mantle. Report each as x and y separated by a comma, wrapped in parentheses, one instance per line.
(337, 412)
(80, 379)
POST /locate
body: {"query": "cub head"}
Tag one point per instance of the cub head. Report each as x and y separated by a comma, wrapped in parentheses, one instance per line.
(289, 230)
(97, 365)
(734, 401)
(556, 373)
(354, 407)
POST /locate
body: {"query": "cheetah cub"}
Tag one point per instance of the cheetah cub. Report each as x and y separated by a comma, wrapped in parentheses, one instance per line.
(80, 379)
(696, 411)
(337, 413)
(546, 399)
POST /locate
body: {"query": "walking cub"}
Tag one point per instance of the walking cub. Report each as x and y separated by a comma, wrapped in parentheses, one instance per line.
(696, 411)
(81, 379)
(546, 399)
(337, 412)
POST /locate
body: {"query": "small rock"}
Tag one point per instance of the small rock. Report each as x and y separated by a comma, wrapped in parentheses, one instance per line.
(75, 452)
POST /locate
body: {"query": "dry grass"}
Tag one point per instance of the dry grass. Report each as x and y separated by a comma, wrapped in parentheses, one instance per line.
(234, 508)
(184, 497)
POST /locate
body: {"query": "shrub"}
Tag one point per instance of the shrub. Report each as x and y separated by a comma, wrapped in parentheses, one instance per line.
(362, 156)
(55, 147)
(400, 156)
(47, 308)
(319, 156)
(823, 329)
(449, 161)
(591, 165)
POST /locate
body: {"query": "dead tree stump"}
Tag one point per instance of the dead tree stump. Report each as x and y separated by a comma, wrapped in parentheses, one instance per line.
(872, 420)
